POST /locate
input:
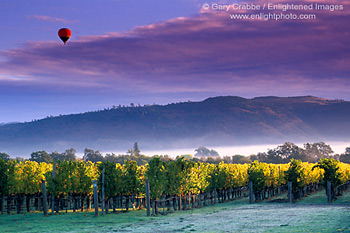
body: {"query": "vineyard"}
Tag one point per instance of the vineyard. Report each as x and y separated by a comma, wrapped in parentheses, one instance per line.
(176, 184)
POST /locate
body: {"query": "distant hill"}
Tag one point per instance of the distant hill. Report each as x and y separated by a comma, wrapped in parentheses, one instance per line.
(218, 121)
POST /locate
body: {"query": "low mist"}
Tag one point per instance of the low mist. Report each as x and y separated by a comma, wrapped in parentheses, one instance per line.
(337, 147)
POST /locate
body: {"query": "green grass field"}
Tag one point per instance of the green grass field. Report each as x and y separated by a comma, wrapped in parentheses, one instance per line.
(236, 216)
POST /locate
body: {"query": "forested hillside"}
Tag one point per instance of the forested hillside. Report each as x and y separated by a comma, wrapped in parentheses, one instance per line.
(218, 121)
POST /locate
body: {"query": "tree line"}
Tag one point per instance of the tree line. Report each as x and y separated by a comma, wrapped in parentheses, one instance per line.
(311, 152)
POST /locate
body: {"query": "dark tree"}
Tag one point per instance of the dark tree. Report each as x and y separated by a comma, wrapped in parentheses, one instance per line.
(93, 156)
(20, 159)
(273, 156)
(4, 156)
(261, 157)
(187, 157)
(141, 160)
(270, 157)
(136, 150)
(289, 151)
(41, 156)
(205, 152)
(165, 158)
(70, 154)
(57, 156)
(345, 158)
(227, 159)
(65, 156)
(317, 151)
(253, 157)
(216, 160)
(347, 150)
(240, 159)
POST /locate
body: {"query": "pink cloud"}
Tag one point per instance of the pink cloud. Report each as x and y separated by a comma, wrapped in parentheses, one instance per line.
(52, 19)
(207, 50)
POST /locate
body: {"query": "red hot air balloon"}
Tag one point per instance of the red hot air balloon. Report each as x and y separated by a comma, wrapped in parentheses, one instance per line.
(64, 34)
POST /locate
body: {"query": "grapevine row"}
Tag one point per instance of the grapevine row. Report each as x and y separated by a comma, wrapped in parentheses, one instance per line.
(173, 178)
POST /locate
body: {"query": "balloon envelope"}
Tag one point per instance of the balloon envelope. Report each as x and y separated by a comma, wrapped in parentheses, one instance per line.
(64, 34)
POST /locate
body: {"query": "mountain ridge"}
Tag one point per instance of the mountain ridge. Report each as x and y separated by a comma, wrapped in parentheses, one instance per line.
(215, 121)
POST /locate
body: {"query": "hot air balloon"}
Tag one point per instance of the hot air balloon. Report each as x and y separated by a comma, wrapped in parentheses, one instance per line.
(64, 34)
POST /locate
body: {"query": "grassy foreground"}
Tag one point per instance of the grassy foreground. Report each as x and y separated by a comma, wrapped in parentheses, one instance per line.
(237, 216)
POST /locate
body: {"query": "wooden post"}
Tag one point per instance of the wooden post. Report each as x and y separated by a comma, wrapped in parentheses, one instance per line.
(184, 207)
(180, 202)
(88, 202)
(200, 200)
(148, 200)
(103, 191)
(28, 203)
(290, 192)
(329, 191)
(95, 198)
(251, 193)
(44, 197)
(53, 188)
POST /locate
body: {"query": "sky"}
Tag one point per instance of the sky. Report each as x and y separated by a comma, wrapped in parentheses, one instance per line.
(165, 51)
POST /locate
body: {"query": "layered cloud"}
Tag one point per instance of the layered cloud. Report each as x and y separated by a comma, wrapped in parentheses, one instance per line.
(205, 52)
(51, 19)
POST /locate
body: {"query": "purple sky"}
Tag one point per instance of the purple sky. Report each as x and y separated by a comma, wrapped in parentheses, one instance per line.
(159, 51)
